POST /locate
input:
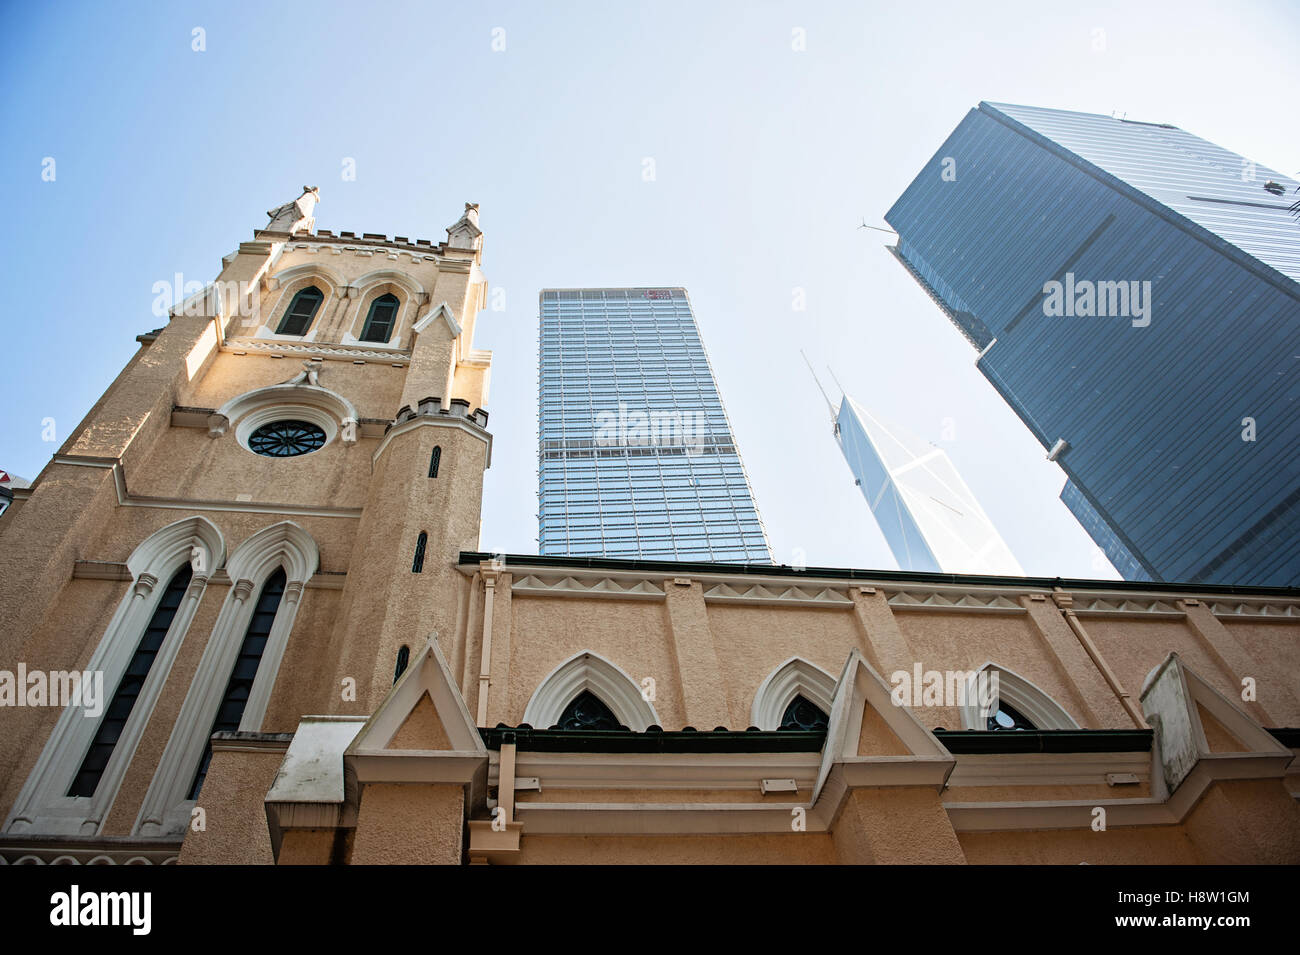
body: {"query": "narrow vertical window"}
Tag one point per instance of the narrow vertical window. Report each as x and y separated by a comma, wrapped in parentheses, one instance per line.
(115, 716)
(417, 565)
(403, 658)
(241, 677)
(298, 316)
(434, 460)
(379, 322)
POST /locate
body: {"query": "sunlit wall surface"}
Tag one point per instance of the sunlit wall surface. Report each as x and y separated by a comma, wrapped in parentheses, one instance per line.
(1180, 409)
(636, 456)
(928, 515)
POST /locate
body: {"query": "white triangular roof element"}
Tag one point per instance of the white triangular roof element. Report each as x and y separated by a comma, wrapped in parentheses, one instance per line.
(1172, 697)
(428, 673)
(442, 312)
(927, 761)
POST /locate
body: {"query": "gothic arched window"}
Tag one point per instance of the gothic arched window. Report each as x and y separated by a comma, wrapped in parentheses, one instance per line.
(297, 317)
(403, 659)
(434, 460)
(417, 565)
(245, 670)
(803, 715)
(380, 320)
(128, 689)
(587, 711)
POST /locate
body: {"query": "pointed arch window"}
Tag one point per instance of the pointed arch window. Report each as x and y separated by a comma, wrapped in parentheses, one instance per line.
(297, 317)
(128, 689)
(434, 460)
(417, 565)
(588, 691)
(587, 711)
(403, 660)
(802, 714)
(380, 319)
(245, 671)
(998, 699)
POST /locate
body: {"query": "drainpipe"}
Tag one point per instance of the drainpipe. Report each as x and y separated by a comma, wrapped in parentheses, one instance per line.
(485, 663)
(1134, 711)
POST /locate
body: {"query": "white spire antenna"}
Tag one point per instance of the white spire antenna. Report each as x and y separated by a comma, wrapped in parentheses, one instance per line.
(829, 407)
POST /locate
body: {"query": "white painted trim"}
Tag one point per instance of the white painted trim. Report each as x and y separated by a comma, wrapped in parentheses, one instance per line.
(42, 805)
(272, 396)
(792, 678)
(166, 807)
(1037, 706)
(588, 670)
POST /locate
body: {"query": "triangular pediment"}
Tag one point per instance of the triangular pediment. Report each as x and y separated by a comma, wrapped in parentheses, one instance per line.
(1174, 699)
(874, 740)
(423, 712)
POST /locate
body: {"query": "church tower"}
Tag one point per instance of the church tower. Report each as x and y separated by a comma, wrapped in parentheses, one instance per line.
(259, 519)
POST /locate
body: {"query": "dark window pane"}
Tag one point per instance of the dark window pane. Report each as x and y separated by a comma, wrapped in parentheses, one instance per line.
(124, 697)
(298, 316)
(235, 698)
(588, 712)
(802, 714)
(379, 322)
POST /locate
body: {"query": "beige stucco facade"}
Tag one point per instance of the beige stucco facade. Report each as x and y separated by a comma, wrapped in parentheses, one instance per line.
(1154, 707)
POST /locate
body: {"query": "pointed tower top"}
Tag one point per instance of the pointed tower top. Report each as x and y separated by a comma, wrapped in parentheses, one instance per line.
(296, 214)
(466, 234)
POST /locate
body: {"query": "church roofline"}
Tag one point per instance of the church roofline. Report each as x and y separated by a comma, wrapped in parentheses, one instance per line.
(472, 559)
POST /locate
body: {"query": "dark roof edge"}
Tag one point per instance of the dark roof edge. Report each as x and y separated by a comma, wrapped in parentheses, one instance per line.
(631, 741)
(961, 742)
(471, 558)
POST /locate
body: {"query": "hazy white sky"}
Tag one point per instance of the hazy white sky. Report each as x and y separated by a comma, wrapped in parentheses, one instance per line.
(766, 158)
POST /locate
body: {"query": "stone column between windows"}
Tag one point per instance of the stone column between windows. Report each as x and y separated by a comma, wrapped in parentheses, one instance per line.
(1237, 663)
(882, 642)
(704, 693)
(1096, 705)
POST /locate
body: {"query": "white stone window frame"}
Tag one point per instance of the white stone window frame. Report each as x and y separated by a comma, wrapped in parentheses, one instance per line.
(328, 410)
(411, 296)
(1031, 700)
(794, 677)
(43, 806)
(167, 808)
(588, 670)
(288, 283)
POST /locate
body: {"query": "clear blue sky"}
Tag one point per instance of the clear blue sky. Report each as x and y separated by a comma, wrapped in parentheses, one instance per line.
(766, 160)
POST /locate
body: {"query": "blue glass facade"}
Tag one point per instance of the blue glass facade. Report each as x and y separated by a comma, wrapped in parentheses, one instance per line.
(636, 457)
(1156, 404)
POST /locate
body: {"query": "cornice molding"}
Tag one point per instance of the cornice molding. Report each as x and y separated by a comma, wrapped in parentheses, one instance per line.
(270, 346)
(984, 602)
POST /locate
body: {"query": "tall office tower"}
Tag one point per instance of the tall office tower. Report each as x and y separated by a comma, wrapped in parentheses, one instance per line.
(1133, 293)
(636, 456)
(928, 515)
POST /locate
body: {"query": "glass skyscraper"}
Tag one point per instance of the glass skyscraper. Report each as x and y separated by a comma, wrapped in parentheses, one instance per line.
(636, 457)
(929, 517)
(1133, 294)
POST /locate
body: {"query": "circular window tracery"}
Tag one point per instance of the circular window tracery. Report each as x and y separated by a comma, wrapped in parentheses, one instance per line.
(286, 439)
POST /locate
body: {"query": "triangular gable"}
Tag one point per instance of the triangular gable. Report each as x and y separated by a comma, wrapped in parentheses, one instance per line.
(1173, 698)
(427, 677)
(923, 761)
(422, 729)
